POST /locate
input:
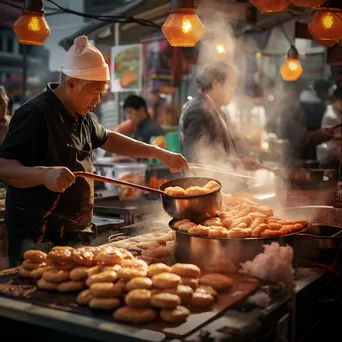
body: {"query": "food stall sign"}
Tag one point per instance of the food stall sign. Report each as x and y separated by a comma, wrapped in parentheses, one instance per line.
(126, 71)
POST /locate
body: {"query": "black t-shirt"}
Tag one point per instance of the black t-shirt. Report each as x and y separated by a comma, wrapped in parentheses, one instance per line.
(146, 129)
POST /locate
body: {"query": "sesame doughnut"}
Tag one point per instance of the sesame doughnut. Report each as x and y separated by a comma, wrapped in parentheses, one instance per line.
(38, 272)
(133, 315)
(31, 265)
(84, 257)
(127, 273)
(207, 289)
(109, 257)
(201, 299)
(176, 315)
(35, 256)
(158, 268)
(217, 281)
(184, 292)
(94, 270)
(46, 285)
(79, 273)
(105, 290)
(55, 275)
(165, 301)
(84, 297)
(102, 277)
(23, 272)
(134, 263)
(61, 255)
(127, 255)
(70, 286)
(139, 283)
(108, 304)
(166, 280)
(192, 282)
(186, 270)
(138, 298)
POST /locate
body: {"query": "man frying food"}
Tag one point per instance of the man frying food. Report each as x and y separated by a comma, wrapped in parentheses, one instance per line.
(50, 137)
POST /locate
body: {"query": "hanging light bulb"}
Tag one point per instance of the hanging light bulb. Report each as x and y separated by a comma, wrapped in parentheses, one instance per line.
(220, 48)
(291, 70)
(326, 27)
(271, 6)
(308, 3)
(183, 27)
(31, 27)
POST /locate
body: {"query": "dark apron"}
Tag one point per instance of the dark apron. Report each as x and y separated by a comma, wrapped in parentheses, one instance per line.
(68, 220)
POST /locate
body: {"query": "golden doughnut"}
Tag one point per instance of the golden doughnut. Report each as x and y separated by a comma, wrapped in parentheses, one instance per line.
(194, 191)
(176, 315)
(64, 265)
(105, 290)
(201, 299)
(127, 255)
(166, 280)
(127, 273)
(131, 315)
(109, 257)
(154, 269)
(217, 281)
(139, 283)
(38, 272)
(207, 289)
(134, 263)
(79, 273)
(70, 286)
(184, 227)
(61, 255)
(108, 304)
(84, 297)
(186, 270)
(178, 223)
(95, 269)
(31, 265)
(165, 301)
(147, 259)
(35, 256)
(114, 268)
(192, 282)
(84, 257)
(102, 277)
(24, 272)
(62, 248)
(46, 285)
(174, 191)
(217, 232)
(138, 298)
(183, 291)
(199, 230)
(56, 275)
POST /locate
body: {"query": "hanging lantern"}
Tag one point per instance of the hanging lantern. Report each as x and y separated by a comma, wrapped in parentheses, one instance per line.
(327, 43)
(183, 27)
(291, 70)
(271, 6)
(31, 27)
(308, 3)
(326, 26)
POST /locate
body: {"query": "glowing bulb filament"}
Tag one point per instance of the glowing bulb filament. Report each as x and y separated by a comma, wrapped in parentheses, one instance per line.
(292, 66)
(220, 48)
(186, 26)
(328, 21)
(34, 25)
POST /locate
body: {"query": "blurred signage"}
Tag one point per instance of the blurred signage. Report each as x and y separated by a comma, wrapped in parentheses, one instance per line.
(126, 68)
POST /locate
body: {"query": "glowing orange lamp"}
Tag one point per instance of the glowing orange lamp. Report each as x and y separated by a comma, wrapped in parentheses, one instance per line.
(183, 27)
(31, 27)
(291, 70)
(308, 3)
(326, 27)
(271, 6)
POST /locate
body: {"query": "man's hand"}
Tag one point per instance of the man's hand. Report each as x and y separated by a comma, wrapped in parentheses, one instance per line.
(174, 161)
(58, 178)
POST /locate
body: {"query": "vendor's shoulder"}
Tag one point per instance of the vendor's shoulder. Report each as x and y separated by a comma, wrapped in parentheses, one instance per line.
(28, 109)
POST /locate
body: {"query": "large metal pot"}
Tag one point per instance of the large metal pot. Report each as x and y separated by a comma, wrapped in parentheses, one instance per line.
(194, 208)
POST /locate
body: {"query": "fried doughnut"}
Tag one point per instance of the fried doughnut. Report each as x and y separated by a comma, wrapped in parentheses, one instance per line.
(132, 315)
(271, 233)
(176, 315)
(274, 225)
(216, 221)
(165, 301)
(217, 281)
(35, 256)
(207, 289)
(218, 232)
(256, 215)
(212, 185)
(247, 220)
(157, 253)
(46, 285)
(227, 222)
(162, 240)
(154, 269)
(94, 270)
(84, 297)
(138, 298)
(102, 277)
(223, 266)
(127, 255)
(199, 230)
(108, 304)
(257, 222)
(147, 259)
(134, 263)
(62, 248)
(166, 280)
(105, 290)
(184, 227)
(178, 223)
(55, 275)
(186, 270)
(174, 191)
(109, 257)
(121, 284)
(61, 255)
(114, 268)
(139, 283)
(64, 266)
(31, 265)
(194, 191)
(274, 219)
(79, 273)
(147, 245)
(23, 272)
(239, 233)
(266, 211)
(38, 272)
(241, 213)
(83, 256)
(192, 282)
(70, 286)
(256, 232)
(184, 292)
(202, 299)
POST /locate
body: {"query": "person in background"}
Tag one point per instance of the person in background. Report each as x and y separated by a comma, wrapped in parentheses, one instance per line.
(145, 127)
(157, 106)
(206, 133)
(330, 151)
(301, 142)
(313, 103)
(5, 118)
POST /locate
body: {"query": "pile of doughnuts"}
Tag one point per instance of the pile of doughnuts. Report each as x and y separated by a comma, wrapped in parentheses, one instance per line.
(211, 186)
(241, 217)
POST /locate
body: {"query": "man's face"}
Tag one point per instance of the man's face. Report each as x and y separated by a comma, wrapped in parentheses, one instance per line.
(135, 115)
(223, 92)
(85, 95)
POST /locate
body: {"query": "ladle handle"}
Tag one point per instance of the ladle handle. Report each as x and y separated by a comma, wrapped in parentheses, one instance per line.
(117, 182)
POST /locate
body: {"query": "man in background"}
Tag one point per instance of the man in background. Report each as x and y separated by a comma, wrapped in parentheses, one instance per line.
(4, 117)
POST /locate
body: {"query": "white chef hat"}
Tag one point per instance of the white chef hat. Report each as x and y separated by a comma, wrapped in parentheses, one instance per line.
(85, 62)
